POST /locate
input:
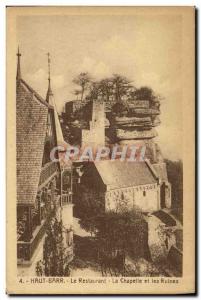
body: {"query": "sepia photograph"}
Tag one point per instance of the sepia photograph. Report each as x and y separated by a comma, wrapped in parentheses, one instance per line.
(102, 199)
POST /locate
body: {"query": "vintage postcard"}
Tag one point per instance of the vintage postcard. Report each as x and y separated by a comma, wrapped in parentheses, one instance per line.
(101, 150)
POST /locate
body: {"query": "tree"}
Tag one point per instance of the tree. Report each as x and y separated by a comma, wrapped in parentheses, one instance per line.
(123, 230)
(88, 209)
(94, 90)
(55, 258)
(117, 234)
(105, 86)
(121, 86)
(117, 86)
(146, 93)
(83, 80)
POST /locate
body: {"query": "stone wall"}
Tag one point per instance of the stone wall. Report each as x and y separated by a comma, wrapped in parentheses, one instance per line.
(146, 198)
(96, 133)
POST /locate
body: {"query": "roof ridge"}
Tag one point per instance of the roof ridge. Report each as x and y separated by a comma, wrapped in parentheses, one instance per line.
(151, 168)
(39, 98)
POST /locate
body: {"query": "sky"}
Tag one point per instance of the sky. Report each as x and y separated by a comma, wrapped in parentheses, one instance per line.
(144, 48)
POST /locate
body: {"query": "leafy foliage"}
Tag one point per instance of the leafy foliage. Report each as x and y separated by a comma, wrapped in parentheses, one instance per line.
(55, 259)
(125, 231)
(117, 87)
(144, 93)
(83, 80)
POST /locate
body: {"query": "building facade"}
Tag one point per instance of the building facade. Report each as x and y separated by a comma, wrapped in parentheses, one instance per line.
(119, 185)
(39, 192)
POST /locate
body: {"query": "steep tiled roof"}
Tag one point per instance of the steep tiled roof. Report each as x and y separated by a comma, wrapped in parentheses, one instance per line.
(37, 96)
(31, 122)
(117, 174)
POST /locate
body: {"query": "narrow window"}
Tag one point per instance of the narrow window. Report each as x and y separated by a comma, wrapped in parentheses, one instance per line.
(144, 193)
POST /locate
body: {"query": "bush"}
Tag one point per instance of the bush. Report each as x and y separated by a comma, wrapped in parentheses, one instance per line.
(126, 231)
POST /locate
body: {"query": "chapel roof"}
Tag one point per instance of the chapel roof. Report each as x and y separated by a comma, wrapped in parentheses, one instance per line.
(117, 174)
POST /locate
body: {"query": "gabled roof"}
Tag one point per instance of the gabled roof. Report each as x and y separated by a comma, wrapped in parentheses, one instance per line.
(31, 123)
(161, 171)
(37, 96)
(117, 174)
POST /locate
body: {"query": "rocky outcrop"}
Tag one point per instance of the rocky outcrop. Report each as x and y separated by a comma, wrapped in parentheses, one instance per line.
(133, 134)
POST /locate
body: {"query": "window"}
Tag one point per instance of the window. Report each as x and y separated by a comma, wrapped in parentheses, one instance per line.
(144, 193)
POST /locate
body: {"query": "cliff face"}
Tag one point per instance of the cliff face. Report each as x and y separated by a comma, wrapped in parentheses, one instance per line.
(126, 122)
(134, 123)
